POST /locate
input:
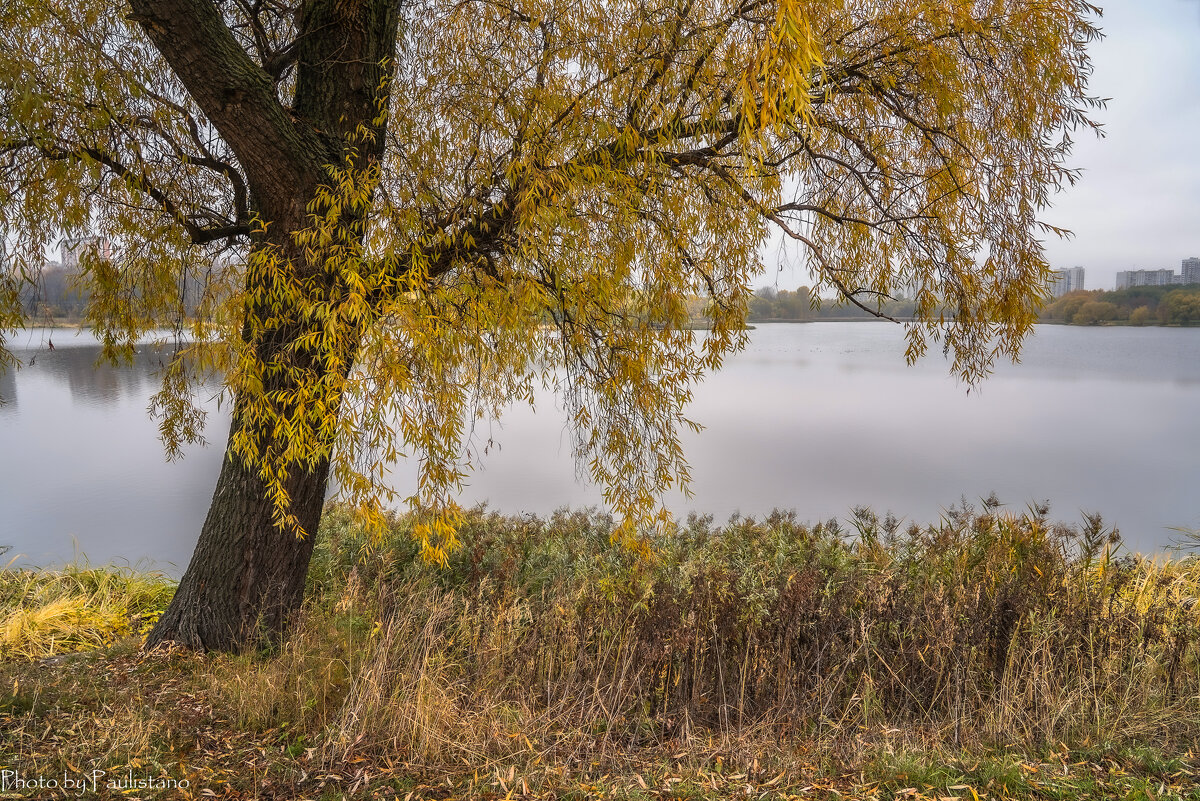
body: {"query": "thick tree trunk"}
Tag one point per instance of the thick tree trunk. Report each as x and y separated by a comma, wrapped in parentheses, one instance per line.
(246, 578)
(245, 581)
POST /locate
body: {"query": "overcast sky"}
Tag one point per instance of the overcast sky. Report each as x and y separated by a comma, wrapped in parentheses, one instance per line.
(1138, 203)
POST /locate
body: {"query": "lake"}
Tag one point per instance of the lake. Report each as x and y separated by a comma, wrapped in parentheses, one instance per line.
(818, 418)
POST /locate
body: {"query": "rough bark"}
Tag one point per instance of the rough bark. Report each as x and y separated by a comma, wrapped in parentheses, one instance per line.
(245, 581)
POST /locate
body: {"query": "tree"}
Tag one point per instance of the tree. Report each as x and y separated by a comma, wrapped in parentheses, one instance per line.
(1094, 312)
(762, 303)
(1180, 307)
(405, 216)
(794, 305)
(1066, 307)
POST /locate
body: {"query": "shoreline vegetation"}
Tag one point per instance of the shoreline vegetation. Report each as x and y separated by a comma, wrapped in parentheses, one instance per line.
(1137, 306)
(989, 655)
(1174, 306)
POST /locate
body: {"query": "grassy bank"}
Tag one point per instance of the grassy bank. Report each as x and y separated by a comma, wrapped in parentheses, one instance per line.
(985, 656)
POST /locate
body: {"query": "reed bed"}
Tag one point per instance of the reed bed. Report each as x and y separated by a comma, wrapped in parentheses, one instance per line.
(990, 652)
(987, 628)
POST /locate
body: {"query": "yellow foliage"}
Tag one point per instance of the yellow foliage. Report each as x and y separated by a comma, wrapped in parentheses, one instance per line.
(555, 179)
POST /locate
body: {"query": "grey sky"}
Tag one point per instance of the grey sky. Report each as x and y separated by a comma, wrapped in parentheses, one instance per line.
(1138, 205)
(1138, 202)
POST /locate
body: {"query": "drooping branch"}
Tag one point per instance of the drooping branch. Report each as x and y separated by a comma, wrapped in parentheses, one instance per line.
(140, 183)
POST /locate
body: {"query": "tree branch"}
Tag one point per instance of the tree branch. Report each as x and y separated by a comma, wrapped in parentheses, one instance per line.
(278, 152)
(139, 182)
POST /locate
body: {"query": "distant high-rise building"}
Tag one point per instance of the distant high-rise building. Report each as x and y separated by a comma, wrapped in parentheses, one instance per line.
(75, 247)
(1191, 271)
(1132, 278)
(1064, 281)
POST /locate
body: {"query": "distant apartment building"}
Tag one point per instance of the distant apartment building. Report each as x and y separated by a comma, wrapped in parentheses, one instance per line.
(1064, 281)
(1132, 278)
(73, 248)
(1190, 271)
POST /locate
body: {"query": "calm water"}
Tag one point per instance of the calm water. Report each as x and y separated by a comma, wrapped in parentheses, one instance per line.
(817, 418)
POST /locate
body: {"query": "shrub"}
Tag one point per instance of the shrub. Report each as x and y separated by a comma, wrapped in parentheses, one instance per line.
(1004, 625)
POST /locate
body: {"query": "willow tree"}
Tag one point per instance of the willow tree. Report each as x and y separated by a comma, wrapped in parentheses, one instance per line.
(406, 216)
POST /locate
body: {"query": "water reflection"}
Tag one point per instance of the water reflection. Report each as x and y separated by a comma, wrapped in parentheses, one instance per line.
(823, 417)
(817, 417)
(89, 474)
(8, 392)
(73, 362)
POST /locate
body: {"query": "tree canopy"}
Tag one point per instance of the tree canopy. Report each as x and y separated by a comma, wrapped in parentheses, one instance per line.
(1164, 305)
(404, 217)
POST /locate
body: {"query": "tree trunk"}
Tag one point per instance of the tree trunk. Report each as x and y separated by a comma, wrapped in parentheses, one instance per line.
(245, 581)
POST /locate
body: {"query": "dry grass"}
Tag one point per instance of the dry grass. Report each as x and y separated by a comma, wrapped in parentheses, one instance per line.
(47, 613)
(994, 653)
(986, 628)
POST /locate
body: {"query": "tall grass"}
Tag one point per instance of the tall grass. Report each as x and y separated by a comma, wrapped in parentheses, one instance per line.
(44, 613)
(541, 644)
(539, 637)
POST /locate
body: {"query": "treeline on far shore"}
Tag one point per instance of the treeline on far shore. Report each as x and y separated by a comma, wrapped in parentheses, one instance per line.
(1142, 305)
(59, 297)
(781, 305)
